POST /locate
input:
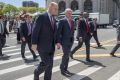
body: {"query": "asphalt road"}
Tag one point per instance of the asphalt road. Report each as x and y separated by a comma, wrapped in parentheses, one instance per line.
(104, 67)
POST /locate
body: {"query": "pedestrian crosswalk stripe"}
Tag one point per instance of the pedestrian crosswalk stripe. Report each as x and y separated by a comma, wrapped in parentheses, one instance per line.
(12, 60)
(12, 54)
(9, 47)
(11, 50)
(12, 38)
(17, 59)
(3, 71)
(85, 73)
(115, 76)
(90, 43)
(55, 69)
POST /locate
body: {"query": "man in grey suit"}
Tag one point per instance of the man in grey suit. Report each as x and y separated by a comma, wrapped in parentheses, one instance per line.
(65, 38)
(118, 43)
(44, 40)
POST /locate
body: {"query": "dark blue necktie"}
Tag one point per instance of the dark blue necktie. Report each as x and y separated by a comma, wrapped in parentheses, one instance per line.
(52, 21)
(29, 28)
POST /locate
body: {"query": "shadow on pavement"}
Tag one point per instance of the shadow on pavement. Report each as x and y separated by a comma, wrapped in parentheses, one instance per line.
(28, 61)
(90, 64)
(5, 57)
(79, 77)
(99, 47)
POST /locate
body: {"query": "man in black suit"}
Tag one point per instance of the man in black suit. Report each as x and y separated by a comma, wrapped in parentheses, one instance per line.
(95, 32)
(25, 34)
(117, 44)
(3, 33)
(85, 30)
(44, 39)
(65, 38)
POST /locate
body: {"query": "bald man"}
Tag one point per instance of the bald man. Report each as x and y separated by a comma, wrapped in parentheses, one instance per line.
(65, 38)
(43, 40)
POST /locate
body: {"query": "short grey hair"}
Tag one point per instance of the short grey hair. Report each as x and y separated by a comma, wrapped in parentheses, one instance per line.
(68, 9)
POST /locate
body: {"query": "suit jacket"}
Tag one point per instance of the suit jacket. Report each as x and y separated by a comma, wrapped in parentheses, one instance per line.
(5, 30)
(82, 28)
(43, 34)
(65, 34)
(24, 30)
(118, 34)
(94, 26)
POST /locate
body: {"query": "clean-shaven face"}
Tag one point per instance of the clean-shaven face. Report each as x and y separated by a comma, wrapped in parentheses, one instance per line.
(53, 9)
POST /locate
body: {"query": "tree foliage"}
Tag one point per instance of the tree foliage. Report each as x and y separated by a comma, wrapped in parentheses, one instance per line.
(13, 10)
(32, 9)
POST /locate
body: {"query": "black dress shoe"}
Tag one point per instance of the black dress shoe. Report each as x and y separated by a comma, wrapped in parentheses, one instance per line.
(69, 73)
(65, 74)
(111, 54)
(1, 55)
(88, 60)
(24, 58)
(100, 45)
(35, 57)
(71, 56)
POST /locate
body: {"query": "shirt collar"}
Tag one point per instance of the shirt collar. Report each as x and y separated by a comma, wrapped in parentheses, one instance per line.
(49, 14)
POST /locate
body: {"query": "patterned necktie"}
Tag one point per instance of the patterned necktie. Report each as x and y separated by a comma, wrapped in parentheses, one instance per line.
(70, 23)
(52, 21)
(87, 26)
(29, 28)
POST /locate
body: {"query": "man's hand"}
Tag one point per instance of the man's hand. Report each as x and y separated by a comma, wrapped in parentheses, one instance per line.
(91, 34)
(23, 39)
(80, 39)
(58, 45)
(34, 47)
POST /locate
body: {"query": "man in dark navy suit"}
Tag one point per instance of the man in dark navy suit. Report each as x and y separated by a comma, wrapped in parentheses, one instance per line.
(3, 33)
(25, 34)
(117, 44)
(95, 35)
(44, 39)
(65, 38)
(85, 31)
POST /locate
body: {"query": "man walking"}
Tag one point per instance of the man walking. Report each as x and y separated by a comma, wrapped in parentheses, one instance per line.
(85, 30)
(25, 33)
(65, 38)
(44, 39)
(3, 33)
(95, 32)
(118, 43)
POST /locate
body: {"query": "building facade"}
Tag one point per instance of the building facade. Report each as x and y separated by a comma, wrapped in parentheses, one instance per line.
(29, 4)
(101, 6)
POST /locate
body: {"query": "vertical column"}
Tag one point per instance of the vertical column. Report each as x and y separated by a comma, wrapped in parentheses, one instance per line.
(68, 2)
(81, 4)
(95, 5)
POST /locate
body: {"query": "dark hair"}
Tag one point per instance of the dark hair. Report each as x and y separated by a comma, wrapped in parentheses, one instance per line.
(1, 16)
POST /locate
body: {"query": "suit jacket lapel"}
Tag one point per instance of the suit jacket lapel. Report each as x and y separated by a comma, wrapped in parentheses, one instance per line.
(26, 27)
(48, 21)
(72, 25)
(69, 24)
